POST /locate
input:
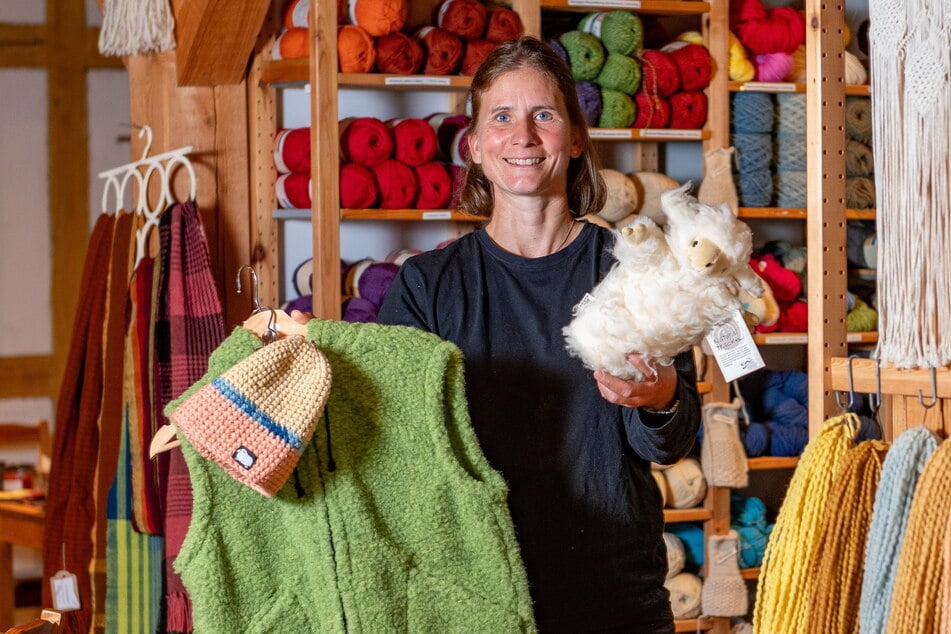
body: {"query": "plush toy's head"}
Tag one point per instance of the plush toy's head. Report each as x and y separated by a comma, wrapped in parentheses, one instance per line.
(706, 240)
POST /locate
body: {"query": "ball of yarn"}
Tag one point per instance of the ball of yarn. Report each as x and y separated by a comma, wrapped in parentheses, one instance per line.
(782, 29)
(859, 192)
(304, 277)
(292, 150)
(790, 113)
(660, 74)
(862, 318)
(691, 536)
(753, 112)
(442, 50)
(622, 197)
(365, 140)
(397, 183)
(791, 152)
(688, 110)
(378, 17)
(414, 141)
(855, 73)
(291, 44)
(451, 129)
(585, 54)
(741, 67)
(620, 72)
(558, 48)
(675, 554)
(756, 439)
(398, 54)
(754, 152)
(356, 51)
(359, 310)
(617, 110)
(685, 590)
(304, 303)
(372, 281)
(773, 66)
(686, 486)
(858, 159)
(790, 189)
(294, 191)
(435, 186)
(787, 440)
(747, 510)
(589, 97)
(475, 54)
(503, 24)
(653, 111)
(657, 475)
(858, 119)
(693, 64)
(465, 18)
(296, 13)
(798, 71)
(358, 189)
(399, 256)
(755, 188)
(621, 32)
(752, 543)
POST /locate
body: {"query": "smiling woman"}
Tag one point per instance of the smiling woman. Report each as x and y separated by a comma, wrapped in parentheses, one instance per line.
(574, 448)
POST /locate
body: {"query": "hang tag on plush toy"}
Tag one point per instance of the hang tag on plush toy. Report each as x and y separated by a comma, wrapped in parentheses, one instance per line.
(733, 348)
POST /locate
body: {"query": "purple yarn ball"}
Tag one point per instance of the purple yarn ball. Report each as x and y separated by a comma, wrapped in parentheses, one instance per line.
(589, 97)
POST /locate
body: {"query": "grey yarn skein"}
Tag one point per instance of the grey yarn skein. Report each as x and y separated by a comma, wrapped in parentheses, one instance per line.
(900, 472)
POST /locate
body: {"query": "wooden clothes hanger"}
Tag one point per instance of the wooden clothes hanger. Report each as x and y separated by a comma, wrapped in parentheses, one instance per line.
(269, 324)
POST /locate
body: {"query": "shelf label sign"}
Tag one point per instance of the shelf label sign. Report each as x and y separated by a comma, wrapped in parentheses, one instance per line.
(663, 133)
(416, 81)
(608, 133)
(437, 215)
(621, 4)
(733, 348)
(763, 86)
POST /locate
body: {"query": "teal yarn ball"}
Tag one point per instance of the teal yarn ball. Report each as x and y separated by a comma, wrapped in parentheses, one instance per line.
(791, 189)
(754, 152)
(585, 54)
(620, 73)
(790, 153)
(755, 188)
(791, 113)
(753, 112)
(617, 110)
(621, 32)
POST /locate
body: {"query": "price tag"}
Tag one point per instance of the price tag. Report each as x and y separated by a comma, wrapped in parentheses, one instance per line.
(65, 591)
(733, 348)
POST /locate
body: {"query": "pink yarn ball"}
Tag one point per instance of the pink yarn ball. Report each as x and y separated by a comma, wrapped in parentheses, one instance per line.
(773, 66)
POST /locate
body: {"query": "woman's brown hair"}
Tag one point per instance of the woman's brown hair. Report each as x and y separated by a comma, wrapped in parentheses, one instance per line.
(586, 189)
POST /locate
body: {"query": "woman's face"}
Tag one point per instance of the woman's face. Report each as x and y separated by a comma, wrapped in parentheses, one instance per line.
(523, 138)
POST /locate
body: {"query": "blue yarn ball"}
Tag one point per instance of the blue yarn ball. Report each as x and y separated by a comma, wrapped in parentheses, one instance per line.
(692, 537)
(755, 189)
(752, 543)
(789, 412)
(753, 112)
(787, 440)
(754, 152)
(747, 510)
(790, 153)
(792, 383)
(790, 189)
(791, 113)
(756, 439)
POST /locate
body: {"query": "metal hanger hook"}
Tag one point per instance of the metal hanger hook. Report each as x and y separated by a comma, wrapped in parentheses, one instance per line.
(934, 391)
(254, 280)
(847, 407)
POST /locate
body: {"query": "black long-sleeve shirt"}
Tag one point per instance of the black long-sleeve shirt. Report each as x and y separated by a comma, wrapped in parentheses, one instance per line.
(587, 512)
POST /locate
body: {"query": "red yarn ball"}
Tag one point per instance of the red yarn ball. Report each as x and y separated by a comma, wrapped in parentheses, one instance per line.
(465, 18)
(365, 140)
(398, 54)
(397, 183)
(783, 30)
(435, 186)
(503, 24)
(358, 189)
(688, 110)
(652, 111)
(443, 50)
(659, 73)
(476, 52)
(694, 64)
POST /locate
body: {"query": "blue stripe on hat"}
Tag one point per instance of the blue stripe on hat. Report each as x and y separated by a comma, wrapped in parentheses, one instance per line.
(255, 413)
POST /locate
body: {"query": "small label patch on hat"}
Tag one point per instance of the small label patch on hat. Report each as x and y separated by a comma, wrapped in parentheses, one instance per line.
(244, 457)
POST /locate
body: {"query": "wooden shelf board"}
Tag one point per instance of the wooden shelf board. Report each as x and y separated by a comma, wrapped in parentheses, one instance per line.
(749, 573)
(786, 86)
(704, 388)
(653, 7)
(647, 134)
(766, 463)
(780, 338)
(693, 625)
(794, 213)
(286, 71)
(403, 82)
(698, 514)
(382, 214)
(905, 382)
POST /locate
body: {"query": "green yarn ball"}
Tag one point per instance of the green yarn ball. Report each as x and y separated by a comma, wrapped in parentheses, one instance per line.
(862, 318)
(617, 110)
(620, 72)
(621, 32)
(585, 54)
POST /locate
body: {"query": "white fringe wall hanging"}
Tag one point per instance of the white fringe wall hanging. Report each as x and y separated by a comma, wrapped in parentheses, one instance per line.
(911, 129)
(133, 27)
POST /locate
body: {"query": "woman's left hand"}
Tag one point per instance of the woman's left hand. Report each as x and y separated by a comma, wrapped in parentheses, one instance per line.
(657, 390)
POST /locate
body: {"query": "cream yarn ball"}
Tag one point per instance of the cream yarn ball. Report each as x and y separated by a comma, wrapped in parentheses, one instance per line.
(685, 590)
(676, 555)
(661, 485)
(686, 485)
(650, 185)
(622, 197)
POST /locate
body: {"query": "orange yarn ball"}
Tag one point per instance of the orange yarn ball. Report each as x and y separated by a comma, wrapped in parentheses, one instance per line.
(356, 51)
(292, 43)
(378, 17)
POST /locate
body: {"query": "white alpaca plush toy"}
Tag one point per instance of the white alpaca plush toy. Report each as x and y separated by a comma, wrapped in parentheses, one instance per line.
(670, 286)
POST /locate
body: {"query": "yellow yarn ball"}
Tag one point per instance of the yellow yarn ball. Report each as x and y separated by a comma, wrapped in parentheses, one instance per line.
(846, 35)
(741, 68)
(798, 71)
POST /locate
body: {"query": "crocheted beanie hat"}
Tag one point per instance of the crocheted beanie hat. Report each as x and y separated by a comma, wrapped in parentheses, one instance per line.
(255, 418)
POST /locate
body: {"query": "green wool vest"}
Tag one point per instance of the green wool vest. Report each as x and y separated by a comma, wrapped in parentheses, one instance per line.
(392, 522)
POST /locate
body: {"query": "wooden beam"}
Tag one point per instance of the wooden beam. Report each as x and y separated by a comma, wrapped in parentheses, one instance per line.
(22, 45)
(26, 377)
(67, 120)
(92, 58)
(214, 39)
